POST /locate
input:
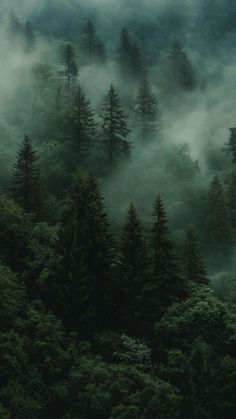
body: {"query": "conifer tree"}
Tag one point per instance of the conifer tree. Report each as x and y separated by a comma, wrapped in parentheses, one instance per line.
(179, 69)
(29, 37)
(92, 48)
(147, 110)
(130, 57)
(69, 62)
(167, 286)
(83, 270)
(125, 47)
(26, 185)
(232, 144)
(81, 126)
(193, 267)
(115, 129)
(217, 222)
(133, 272)
(15, 25)
(231, 199)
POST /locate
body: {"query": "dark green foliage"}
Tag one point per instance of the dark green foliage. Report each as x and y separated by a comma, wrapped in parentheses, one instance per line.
(231, 146)
(26, 184)
(70, 66)
(92, 48)
(179, 70)
(202, 316)
(99, 390)
(130, 58)
(133, 274)
(192, 264)
(15, 234)
(217, 225)
(115, 129)
(166, 285)
(147, 110)
(81, 128)
(231, 199)
(84, 259)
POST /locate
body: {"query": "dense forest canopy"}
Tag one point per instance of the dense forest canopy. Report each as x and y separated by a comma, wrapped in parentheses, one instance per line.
(117, 209)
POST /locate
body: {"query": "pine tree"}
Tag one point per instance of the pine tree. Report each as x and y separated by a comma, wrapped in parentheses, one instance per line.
(133, 272)
(147, 110)
(69, 61)
(167, 286)
(232, 143)
(231, 199)
(125, 47)
(130, 57)
(218, 232)
(193, 267)
(179, 69)
(15, 25)
(81, 126)
(29, 37)
(92, 48)
(115, 129)
(26, 185)
(83, 268)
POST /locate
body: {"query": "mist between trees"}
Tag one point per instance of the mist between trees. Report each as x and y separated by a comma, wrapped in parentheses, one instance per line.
(117, 211)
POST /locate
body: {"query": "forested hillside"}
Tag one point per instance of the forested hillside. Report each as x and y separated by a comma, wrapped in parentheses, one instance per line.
(117, 210)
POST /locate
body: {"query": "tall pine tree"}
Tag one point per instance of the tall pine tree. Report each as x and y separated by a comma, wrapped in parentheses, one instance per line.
(82, 270)
(231, 146)
(231, 199)
(147, 110)
(115, 129)
(26, 184)
(192, 263)
(166, 286)
(133, 273)
(92, 48)
(69, 62)
(81, 127)
(218, 232)
(179, 70)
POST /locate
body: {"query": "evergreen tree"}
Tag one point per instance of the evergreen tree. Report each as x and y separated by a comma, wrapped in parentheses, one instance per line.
(92, 48)
(148, 111)
(81, 126)
(193, 267)
(179, 69)
(81, 283)
(15, 25)
(125, 47)
(69, 62)
(167, 286)
(29, 37)
(26, 185)
(217, 223)
(232, 143)
(231, 199)
(133, 271)
(130, 57)
(115, 129)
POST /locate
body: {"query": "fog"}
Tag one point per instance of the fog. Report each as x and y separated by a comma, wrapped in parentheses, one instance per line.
(189, 151)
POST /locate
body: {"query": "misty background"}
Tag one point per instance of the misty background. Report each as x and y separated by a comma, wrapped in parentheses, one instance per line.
(190, 150)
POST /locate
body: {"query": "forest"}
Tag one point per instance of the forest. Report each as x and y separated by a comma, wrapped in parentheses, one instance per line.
(117, 209)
